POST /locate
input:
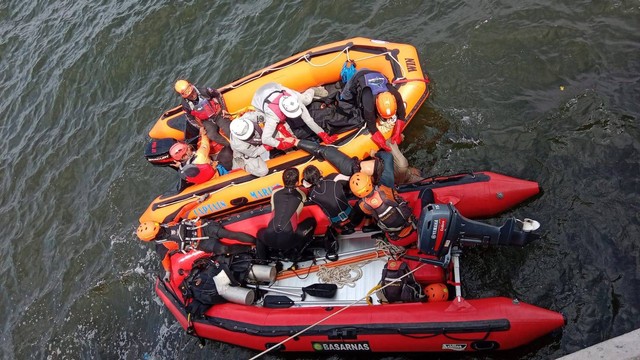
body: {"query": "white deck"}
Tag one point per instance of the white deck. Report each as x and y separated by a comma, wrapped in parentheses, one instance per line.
(371, 273)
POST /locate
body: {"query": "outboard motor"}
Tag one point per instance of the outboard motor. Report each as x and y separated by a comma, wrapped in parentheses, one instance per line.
(441, 226)
(157, 152)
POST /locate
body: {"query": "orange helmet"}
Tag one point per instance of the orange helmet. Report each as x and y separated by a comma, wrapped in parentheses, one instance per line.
(184, 88)
(386, 105)
(361, 184)
(437, 292)
(178, 150)
(148, 230)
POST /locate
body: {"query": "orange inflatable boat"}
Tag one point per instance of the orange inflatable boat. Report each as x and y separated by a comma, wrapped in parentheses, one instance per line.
(318, 66)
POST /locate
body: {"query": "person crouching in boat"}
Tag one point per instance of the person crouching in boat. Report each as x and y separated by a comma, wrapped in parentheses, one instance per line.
(203, 108)
(390, 211)
(172, 237)
(286, 115)
(286, 235)
(371, 92)
(246, 142)
(194, 167)
(330, 194)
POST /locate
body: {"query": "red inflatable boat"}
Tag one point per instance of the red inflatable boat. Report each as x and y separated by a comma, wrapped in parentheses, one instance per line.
(328, 306)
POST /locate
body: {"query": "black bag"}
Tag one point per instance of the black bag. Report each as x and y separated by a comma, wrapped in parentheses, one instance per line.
(335, 116)
(405, 290)
(199, 288)
(238, 266)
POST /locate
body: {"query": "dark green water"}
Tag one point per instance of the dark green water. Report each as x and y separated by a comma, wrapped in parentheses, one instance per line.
(543, 90)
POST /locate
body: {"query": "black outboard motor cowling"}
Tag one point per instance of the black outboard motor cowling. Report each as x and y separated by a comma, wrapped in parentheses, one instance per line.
(441, 226)
(157, 152)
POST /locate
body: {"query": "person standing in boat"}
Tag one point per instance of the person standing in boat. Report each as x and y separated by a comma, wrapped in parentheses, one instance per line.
(372, 93)
(203, 108)
(390, 211)
(286, 115)
(195, 167)
(246, 142)
(286, 233)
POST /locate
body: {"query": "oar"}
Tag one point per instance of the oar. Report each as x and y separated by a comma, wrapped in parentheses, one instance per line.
(317, 290)
(265, 288)
(283, 302)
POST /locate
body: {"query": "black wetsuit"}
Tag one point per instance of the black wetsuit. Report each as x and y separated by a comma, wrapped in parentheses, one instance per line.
(285, 233)
(212, 231)
(331, 196)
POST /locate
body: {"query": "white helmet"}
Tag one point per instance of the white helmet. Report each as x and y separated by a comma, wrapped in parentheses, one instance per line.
(242, 128)
(290, 106)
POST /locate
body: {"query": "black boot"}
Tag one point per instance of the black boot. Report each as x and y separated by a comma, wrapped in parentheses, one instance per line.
(348, 229)
(331, 245)
(312, 148)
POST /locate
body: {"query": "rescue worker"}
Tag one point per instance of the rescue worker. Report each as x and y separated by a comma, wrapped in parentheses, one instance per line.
(286, 115)
(390, 211)
(194, 167)
(330, 194)
(199, 234)
(246, 142)
(372, 93)
(286, 234)
(204, 109)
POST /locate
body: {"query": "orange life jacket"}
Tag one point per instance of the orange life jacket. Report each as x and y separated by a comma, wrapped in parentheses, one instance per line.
(390, 214)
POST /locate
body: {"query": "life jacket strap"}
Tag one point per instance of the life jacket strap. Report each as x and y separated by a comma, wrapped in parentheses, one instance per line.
(342, 216)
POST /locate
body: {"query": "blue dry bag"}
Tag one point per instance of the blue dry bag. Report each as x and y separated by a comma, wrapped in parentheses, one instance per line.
(348, 70)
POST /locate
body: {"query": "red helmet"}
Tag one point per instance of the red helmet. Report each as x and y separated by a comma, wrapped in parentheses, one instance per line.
(386, 105)
(178, 150)
(437, 292)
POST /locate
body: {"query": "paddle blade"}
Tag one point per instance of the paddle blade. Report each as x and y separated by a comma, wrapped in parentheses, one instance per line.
(321, 290)
(277, 302)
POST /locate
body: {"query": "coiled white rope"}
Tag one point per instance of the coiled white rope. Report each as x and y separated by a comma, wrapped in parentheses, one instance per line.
(348, 275)
(391, 250)
(341, 275)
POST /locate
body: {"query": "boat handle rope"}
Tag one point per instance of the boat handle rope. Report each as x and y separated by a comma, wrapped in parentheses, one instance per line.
(196, 196)
(331, 315)
(485, 337)
(305, 57)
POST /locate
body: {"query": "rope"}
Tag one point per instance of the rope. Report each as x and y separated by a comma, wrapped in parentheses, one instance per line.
(306, 58)
(332, 315)
(391, 250)
(341, 276)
